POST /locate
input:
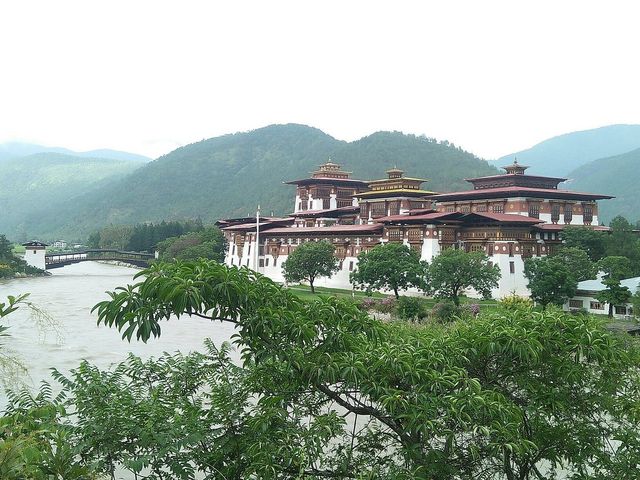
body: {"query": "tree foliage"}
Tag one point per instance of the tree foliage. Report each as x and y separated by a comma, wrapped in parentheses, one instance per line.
(206, 243)
(615, 267)
(391, 266)
(579, 262)
(309, 261)
(551, 280)
(336, 394)
(613, 294)
(591, 241)
(453, 271)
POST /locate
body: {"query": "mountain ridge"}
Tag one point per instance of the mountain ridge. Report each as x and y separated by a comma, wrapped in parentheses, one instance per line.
(230, 175)
(558, 156)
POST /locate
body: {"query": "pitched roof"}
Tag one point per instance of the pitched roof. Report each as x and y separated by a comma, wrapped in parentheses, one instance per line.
(515, 191)
(333, 229)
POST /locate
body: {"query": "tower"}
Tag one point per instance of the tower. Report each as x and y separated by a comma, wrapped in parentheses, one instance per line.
(34, 254)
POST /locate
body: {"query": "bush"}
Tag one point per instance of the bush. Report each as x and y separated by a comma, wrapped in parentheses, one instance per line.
(515, 302)
(386, 305)
(411, 308)
(444, 312)
(367, 304)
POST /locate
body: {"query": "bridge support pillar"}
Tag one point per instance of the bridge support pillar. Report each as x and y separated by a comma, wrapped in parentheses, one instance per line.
(34, 254)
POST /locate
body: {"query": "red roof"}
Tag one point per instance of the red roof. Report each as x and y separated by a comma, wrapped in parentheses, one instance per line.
(368, 228)
(517, 191)
(417, 218)
(556, 227)
(346, 210)
(506, 217)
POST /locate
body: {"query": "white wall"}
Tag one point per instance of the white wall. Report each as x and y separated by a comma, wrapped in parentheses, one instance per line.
(35, 258)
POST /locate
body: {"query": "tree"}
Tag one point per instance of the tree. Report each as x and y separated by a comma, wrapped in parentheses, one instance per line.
(453, 271)
(391, 266)
(613, 294)
(309, 261)
(205, 243)
(623, 242)
(550, 280)
(587, 239)
(579, 262)
(615, 267)
(506, 395)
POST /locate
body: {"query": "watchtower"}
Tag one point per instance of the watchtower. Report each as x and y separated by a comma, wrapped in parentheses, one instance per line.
(34, 254)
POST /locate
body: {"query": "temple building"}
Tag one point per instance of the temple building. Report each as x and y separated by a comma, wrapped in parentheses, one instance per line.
(510, 217)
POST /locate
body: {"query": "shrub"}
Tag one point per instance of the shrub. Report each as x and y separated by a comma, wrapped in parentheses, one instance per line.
(515, 302)
(367, 304)
(411, 308)
(444, 312)
(386, 305)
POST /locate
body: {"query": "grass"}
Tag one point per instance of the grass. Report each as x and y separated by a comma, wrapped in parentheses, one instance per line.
(304, 292)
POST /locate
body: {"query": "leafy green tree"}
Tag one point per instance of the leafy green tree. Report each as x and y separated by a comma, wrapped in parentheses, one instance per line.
(623, 242)
(453, 271)
(206, 243)
(309, 261)
(591, 241)
(616, 267)
(496, 402)
(551, 280)
(579, 262)
(635, 302)
(391, 266)
(613, 294)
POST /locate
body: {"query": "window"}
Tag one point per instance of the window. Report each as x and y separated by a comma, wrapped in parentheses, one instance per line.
(266, 262)
(576, 303)
(465, 209)
(620, 309)
(450, 209)
(481, 208)
(498, 208)
(568, 213)
(512, 267)
(534, 210)
(261, 262)
(350, 266)
(596, 306)
(588, 213)
(395, 234)
(378, 209)
(555, 213)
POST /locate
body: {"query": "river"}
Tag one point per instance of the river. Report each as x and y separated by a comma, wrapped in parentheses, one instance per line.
(68, 296)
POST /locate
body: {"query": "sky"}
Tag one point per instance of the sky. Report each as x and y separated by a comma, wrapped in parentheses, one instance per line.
(493, 77)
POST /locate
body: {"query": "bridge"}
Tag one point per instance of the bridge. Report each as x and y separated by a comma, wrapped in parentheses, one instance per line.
(58, 260)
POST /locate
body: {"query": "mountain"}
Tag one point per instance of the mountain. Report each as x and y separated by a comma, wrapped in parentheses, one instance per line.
(35, 185)
(230, 175)
(560, 155)
(11, 150)
(618, 175)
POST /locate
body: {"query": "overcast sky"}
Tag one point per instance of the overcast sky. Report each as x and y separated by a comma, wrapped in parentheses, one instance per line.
(148, 76)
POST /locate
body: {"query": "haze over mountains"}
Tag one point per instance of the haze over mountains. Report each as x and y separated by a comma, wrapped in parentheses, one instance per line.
(51, 195)
(560, 156)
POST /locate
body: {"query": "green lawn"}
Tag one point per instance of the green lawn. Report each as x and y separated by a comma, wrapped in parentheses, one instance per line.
(304, 292)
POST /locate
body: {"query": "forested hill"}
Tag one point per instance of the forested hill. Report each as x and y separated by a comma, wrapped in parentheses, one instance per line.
(230, 175)
(560, 155)
(34, 185)
(619, 176)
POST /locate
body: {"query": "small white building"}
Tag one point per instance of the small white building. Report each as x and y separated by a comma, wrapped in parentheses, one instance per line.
(59, 244)
(34, 254)
(586, 298)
